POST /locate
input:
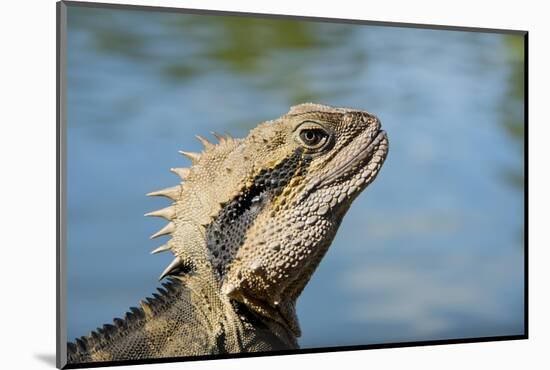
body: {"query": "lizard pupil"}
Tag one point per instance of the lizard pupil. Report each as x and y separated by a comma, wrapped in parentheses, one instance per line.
(311, 136)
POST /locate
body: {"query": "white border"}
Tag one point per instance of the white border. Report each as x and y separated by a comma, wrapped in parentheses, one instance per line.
(27, 150)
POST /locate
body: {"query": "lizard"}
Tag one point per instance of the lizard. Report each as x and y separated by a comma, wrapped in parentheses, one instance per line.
(249, 223)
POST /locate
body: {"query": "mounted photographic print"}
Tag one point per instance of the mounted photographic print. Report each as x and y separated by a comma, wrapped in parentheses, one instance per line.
(312, 184)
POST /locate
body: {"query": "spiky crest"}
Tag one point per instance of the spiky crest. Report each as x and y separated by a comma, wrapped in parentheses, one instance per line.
(134, 319)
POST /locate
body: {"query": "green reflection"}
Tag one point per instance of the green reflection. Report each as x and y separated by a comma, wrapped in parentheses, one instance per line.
(283, 57)
(513, 106)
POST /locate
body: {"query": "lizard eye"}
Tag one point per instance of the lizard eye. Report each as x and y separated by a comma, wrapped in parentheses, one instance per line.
(313, 137)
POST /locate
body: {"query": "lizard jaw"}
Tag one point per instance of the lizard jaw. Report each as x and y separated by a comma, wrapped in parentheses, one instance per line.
(359, 156)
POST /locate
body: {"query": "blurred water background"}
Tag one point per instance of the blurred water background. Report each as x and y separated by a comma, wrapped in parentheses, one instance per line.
(433, 249)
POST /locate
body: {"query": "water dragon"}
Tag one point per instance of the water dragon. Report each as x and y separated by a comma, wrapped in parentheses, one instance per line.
(249, 223)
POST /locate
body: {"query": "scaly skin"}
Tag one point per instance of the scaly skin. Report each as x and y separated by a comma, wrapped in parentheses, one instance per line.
(249, 225)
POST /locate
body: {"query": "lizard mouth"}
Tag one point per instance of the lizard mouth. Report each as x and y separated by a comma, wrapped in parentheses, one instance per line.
(364, 156)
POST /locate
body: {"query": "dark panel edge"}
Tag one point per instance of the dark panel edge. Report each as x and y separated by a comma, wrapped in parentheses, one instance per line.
(526, 182)
(61, 252)
(299, 351)
(294, 17)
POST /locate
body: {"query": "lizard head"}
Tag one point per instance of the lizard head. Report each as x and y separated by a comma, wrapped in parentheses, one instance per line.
(268, 206)
(310, 164)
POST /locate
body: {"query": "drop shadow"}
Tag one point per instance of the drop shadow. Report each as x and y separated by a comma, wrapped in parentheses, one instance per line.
(47, 358)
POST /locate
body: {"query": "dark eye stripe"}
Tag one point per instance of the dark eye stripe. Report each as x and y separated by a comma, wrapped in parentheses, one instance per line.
(226, 233)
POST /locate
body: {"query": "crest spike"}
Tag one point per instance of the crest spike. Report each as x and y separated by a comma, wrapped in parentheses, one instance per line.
(181, 172)
(146, 308)
(194, 157)
(168, 213)
(174, 265)
(220, 137)
(207, 144)
(162, 248)
(168, 229)
(172, 193)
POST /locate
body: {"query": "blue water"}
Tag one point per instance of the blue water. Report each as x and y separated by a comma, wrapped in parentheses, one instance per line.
(432, 249)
